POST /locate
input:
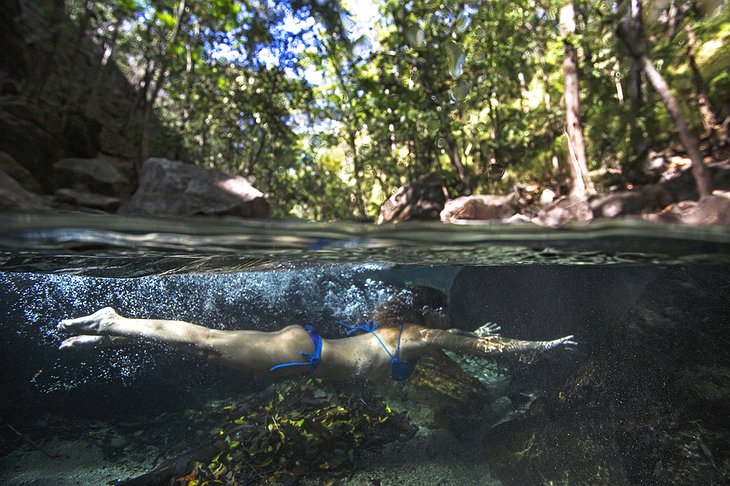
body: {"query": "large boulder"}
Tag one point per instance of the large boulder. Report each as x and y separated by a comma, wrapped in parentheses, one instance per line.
(11, 167)
(423, 199)
(59, 100)
(441, 394)
(14, 197)
(23, 136)
(487, 207)
(173, 188)
(647, 199)
(97, 176)
(564, 211)
(712, 209)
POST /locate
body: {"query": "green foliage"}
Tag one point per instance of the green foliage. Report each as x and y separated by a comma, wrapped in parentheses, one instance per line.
(329, 116)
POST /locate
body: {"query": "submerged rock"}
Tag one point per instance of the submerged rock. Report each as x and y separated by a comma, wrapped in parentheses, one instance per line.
(173, 188)
(648, 405)
(444, 396)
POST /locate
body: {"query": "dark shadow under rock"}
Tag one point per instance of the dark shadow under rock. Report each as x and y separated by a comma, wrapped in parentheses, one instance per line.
(546, 301)
(79, 199)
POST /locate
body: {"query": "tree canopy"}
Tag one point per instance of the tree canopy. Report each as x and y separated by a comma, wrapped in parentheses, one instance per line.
(331, 106)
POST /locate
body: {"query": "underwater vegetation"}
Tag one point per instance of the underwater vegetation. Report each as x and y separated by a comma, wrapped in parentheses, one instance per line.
(305, 426)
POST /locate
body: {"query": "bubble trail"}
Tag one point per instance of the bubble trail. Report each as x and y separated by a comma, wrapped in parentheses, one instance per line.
(31, 305)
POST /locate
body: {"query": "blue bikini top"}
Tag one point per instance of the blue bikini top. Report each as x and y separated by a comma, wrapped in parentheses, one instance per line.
(399, 370)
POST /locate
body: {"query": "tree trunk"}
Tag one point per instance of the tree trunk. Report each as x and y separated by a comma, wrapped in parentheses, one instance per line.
(493, 163)
(142, 88)
(256, 156)
(637, 136)
(455, 156)
(189, 80)
(689, 141)
(634, 42)
(454, 153)
(580, 183)
(357, 169)
(617, 82)
(106, 61)
(158, 81)
(709, 120)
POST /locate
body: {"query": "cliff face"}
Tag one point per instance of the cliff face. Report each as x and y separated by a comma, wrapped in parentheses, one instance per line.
(59, 100)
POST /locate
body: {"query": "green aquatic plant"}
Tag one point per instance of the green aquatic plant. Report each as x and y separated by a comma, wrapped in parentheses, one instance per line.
(305, 427)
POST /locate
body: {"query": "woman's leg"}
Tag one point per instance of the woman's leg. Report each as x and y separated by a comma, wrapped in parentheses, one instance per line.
(106, 327)
(253, 351)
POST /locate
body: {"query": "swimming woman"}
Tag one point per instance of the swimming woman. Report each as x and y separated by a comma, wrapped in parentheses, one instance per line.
(393, 348)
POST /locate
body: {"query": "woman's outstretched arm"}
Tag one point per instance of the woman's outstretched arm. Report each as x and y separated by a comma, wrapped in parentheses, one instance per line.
(488, 345)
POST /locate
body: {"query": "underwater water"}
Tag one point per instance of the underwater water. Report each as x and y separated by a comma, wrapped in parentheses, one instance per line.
(642, 398)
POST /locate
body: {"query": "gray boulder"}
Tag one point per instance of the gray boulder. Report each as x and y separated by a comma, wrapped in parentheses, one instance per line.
(710, 210)
(421, 200)
(647, 199)
(486, 207)
(173, 188)
(564, 211)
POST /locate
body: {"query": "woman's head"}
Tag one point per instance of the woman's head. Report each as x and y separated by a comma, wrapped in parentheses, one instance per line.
(421, 305)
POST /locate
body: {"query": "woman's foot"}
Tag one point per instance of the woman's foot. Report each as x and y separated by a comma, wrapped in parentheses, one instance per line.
(86, 341)
(100, 322)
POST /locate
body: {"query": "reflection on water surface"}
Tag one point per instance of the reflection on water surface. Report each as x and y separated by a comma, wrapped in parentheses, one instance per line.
(93, 245)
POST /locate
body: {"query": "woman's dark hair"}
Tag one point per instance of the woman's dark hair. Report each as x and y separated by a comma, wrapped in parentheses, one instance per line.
(416, 305)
